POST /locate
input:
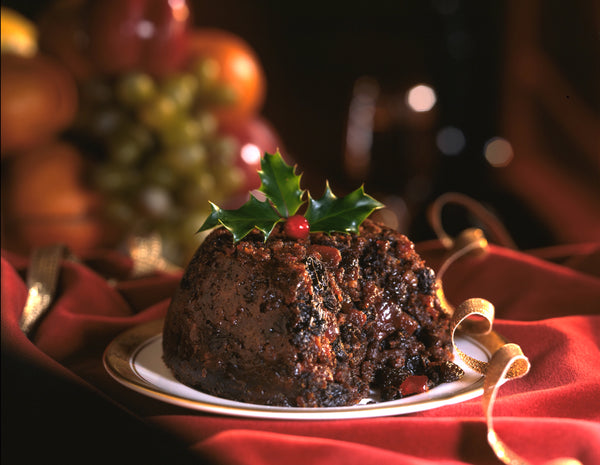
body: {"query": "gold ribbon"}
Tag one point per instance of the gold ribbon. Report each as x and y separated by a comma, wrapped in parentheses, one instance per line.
(507, 362)
(475, 317)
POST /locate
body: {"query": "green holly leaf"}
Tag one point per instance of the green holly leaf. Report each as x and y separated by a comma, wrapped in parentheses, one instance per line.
(280, 184)
(253, 214)
(213, 219)
(329, 213)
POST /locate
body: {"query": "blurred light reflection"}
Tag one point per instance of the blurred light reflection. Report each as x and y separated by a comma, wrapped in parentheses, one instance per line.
(421, 98)
(180, 9)
(450, 140)
(145, 29)
(359, 132)
(250, 153)
(498, 152)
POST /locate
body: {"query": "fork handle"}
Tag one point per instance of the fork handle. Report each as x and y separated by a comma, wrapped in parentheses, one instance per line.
(38, 301)
(42, 278)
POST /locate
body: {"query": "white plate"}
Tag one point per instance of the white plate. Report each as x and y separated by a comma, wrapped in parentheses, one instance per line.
(134, 359)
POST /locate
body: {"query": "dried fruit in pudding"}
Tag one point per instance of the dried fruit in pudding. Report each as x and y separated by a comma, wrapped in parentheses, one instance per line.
(318, 321)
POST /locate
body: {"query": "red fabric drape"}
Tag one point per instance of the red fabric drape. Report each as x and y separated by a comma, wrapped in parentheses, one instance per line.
(546, 301)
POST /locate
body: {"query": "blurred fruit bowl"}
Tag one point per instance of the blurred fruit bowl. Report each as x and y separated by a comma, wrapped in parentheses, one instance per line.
(156, 117)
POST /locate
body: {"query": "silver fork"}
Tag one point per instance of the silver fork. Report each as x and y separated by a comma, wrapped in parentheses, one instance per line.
(42, 277)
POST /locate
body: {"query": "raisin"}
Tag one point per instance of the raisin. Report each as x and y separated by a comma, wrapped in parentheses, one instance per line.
(415, 365)
(426, 280)
(451, 372)
(388, 380)
(444, 372)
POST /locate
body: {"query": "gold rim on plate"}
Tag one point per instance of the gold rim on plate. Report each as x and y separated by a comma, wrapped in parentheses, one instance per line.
(122, 361)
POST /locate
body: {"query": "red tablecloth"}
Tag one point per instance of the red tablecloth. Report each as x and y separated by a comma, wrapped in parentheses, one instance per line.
(59, 403)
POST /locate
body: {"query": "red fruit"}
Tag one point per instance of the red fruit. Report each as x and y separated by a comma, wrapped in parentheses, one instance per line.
(116, 36)
(147, 35)
(297, 227)
(414, 385)
(330, 255)
(64, 34)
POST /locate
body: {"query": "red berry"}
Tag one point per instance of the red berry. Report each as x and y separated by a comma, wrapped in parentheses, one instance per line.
(297, 227)
(414, 385)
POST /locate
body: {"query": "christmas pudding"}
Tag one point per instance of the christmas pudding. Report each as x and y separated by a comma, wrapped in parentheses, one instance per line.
(316, 310)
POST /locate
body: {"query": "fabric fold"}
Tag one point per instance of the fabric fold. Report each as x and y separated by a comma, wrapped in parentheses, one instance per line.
(550, 310)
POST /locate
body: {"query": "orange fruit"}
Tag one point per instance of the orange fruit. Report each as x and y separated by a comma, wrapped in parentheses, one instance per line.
(235, 65)
(46, 200)
(39, 99)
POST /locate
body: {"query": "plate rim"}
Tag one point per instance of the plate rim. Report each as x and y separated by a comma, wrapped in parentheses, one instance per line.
(119, 361)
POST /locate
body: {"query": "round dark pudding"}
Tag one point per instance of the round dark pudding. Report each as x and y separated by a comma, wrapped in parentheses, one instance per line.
(310, 323)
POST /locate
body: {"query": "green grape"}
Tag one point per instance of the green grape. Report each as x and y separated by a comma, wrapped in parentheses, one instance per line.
(182, 88)
(158, 172)
(223, 95)
(158, 112)
(186, 158)
(124, 149)
(165, 157)
(135, 89)
(207, 72)
(141, 134)
(231, 179)
(208, 122)
(198, 191)
(129, 143)
(223, 150)
(181, 131)
(208, 184)
(115, 178)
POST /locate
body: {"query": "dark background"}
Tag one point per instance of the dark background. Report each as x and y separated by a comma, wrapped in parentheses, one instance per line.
(314, 51)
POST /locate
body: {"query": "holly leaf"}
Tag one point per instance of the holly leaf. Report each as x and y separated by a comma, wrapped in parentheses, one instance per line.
(213, 219)
(329, 213)
(253, 214)
(280, 184)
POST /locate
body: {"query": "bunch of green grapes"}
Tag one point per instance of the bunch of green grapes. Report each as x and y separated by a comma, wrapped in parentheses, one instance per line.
(160, 157)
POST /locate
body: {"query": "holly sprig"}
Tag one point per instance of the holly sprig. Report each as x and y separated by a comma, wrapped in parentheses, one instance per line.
(283, 199)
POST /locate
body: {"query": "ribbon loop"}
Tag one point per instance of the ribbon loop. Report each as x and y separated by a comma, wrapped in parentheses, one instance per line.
(475, 317)
(481, 325)
(508, 362)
